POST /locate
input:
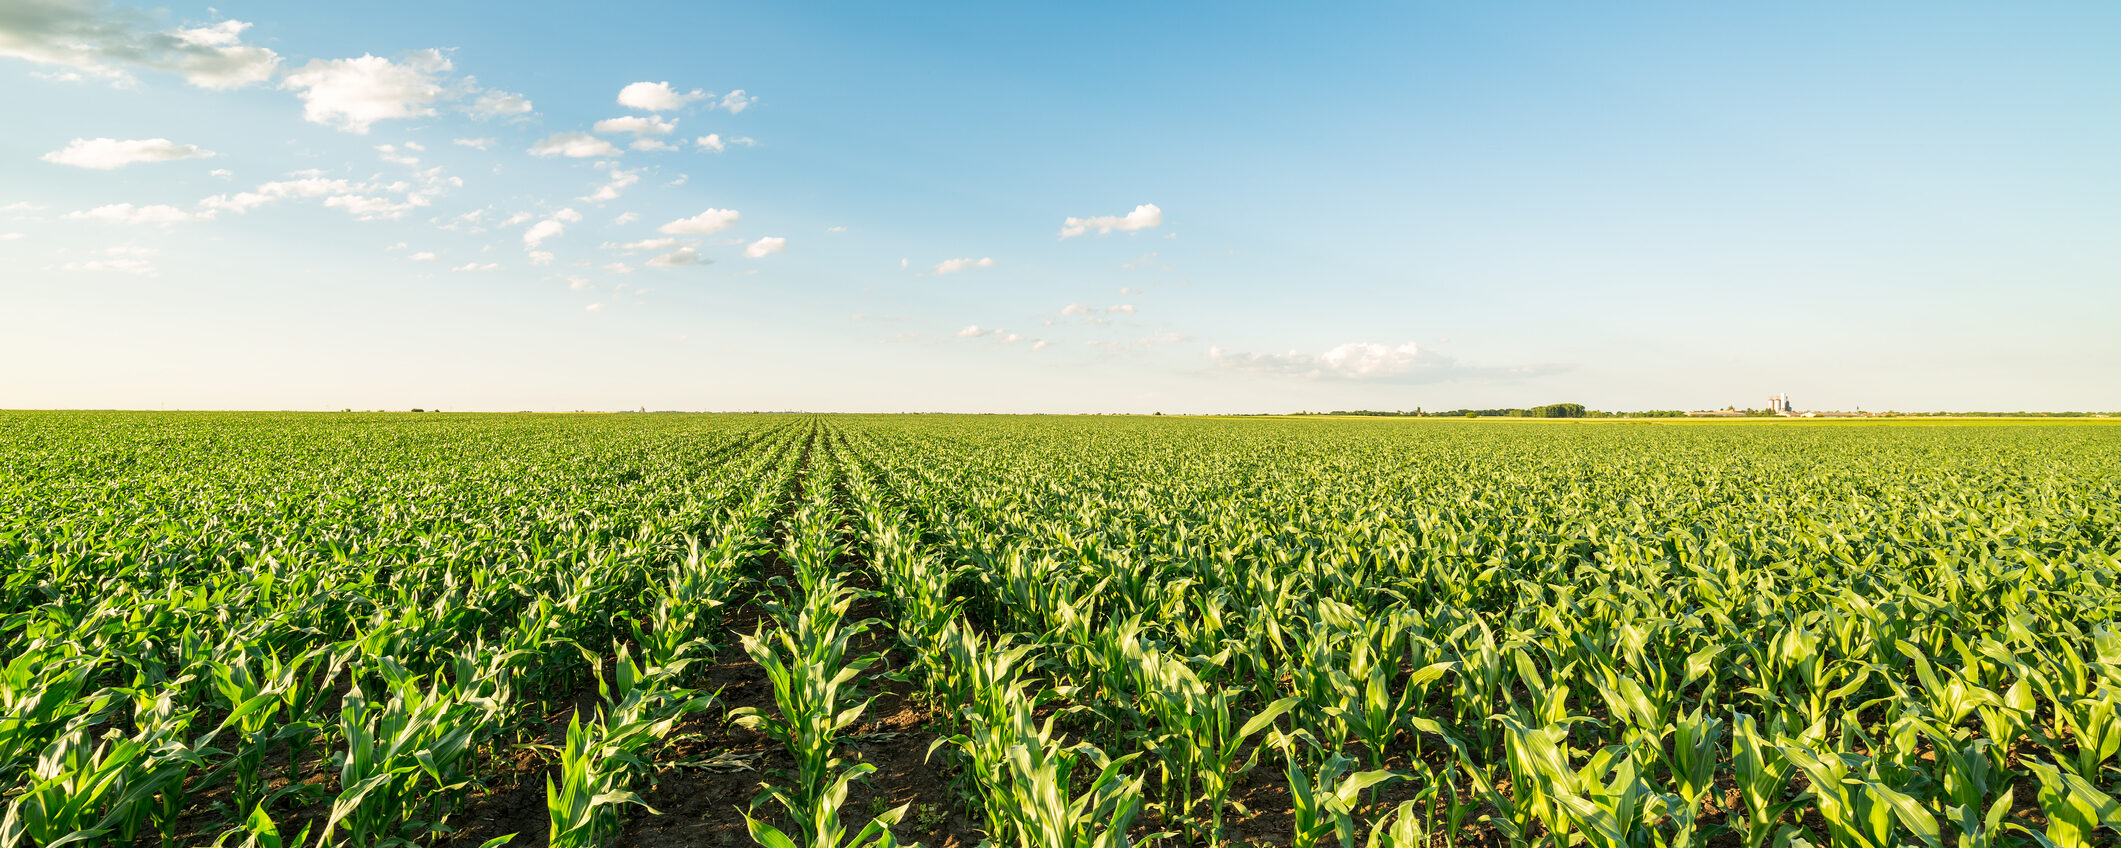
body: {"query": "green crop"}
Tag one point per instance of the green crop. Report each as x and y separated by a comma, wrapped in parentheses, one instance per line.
(1550, 635)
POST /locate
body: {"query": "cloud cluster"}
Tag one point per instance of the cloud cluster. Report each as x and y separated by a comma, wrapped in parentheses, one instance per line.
(765, 247)
(657, 96)
(367, 201)
(124, 260)
(126, 213)
(551, 226)
(710, 221)
(1368, 361)
(676, 258)
(92, 37)
(107, 154)
(609, 191)
(662, 97)
(352, 94)
(952, 266)
(573, 145)
(714, 143)
(636, 124)
(1144, 217)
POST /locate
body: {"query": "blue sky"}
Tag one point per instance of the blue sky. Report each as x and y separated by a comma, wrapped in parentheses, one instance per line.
(255, 205)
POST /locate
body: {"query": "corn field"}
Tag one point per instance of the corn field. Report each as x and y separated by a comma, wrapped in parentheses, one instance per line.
(1047, 632)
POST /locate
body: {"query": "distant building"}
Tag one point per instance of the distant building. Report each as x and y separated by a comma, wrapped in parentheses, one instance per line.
(1780, 405)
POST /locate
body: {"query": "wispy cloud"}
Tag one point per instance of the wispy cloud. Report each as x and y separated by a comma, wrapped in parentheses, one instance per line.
(1144, 217)
(107, 154)
(1368, 361)
(952, 266)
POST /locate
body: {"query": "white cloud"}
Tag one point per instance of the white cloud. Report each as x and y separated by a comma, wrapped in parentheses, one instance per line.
(594, 307)
(391, 155)
(222, 173)
(10, 236)
(619, 268)
(352, 94)
(1145, 216)
(215, 57)
(578, 282)
(626, 218)
(21, 207)
(303, 187)
(517, 218)
(126, 213)
(478, 143)
(106, 154)
(657, 96)
(1039, 345)
(468, 221)
(643, 244)
(765, 246)
(952, 266)
(735, 101)
(971, 332)
(1122, 309)
(675, 258)
(710, 221)
(1404, 363)
(366, 201)
(637, 125)
(98, 40)
(610, 191)
(650, 145)
(1012, 338)
(1077, 309)
(541, 257)
(549, 227)
(129, 266)
(497, 104)
(573, 145)
(423, 256)
(474, 266)
(835, 229)
(711, 141)
(372, 208)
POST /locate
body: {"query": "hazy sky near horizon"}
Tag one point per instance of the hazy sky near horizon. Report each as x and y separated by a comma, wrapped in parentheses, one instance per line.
(1102, 207)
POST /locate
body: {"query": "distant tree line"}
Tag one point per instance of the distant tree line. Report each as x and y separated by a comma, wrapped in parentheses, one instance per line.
(1552, 410)
(1576, 410)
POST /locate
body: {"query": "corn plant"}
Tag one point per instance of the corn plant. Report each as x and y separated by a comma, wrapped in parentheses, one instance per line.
(640, 706)
(1024, 773)
(94, 791)
(1197, 739)
(1324, 799)
(2075, 808)
(805, 660)
(1762, 772)
(822, 820)
(1859, 809)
